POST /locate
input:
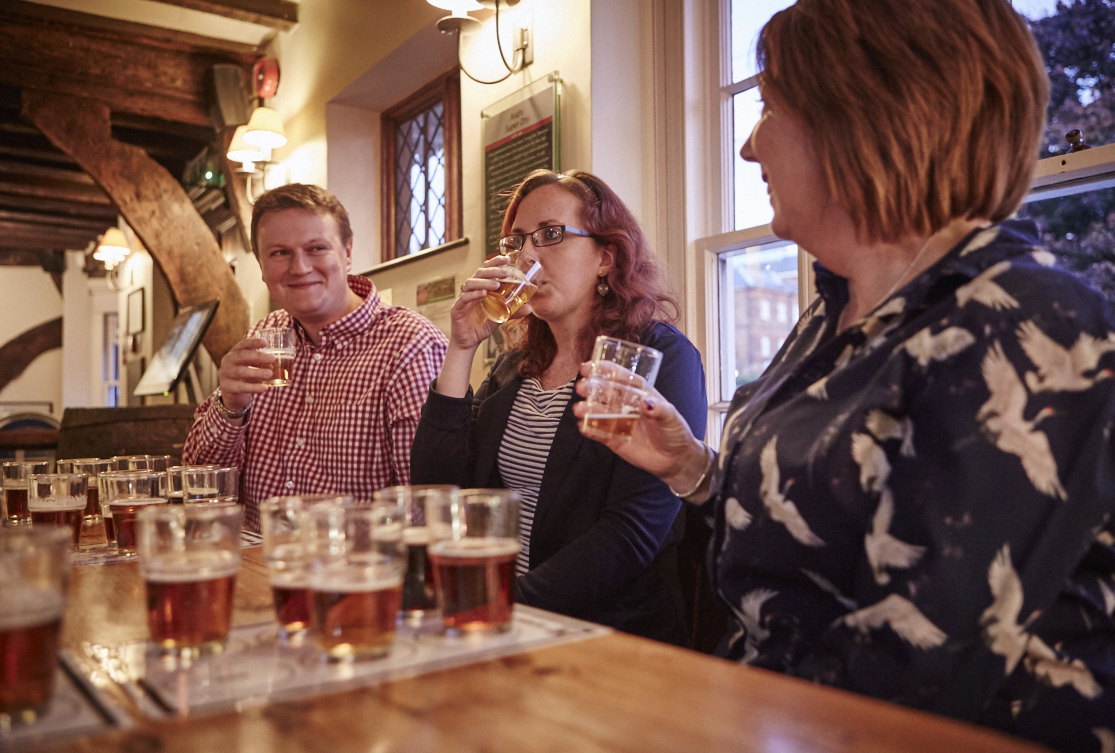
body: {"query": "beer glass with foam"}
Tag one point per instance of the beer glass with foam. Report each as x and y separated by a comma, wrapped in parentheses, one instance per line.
(474, 540)
(620, 373)
(16, 474)
(34, 574)
(282, 520)
(356, 579)
(211, 484)
(188, 558)
(123, 495)
(419, 591)
(93, 468)
(280, 346)
(515, 289)
(58, 499)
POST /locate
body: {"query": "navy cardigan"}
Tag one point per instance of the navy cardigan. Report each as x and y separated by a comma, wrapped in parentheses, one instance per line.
(603, 546)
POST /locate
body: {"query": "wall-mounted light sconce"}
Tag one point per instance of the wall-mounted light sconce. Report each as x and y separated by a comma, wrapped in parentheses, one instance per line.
(265, 130)
(251, 146)
(459, 23)
(113, 248)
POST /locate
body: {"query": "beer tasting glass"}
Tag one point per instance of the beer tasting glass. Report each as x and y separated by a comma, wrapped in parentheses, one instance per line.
(93, 468)
(34, 575)
(474, 539)
(58, 499)
(16, 473)
(188, 559)
(620, 373)
(419, 592)
(356, 580)
(123, 495)
(211, 484)
(143, 462)
(280, 346)
(514, 290)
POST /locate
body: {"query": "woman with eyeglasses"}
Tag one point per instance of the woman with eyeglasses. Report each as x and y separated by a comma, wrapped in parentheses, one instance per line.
(599, 537)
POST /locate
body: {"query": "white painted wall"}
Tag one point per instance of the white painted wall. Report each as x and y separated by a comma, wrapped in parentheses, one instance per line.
(29, 299)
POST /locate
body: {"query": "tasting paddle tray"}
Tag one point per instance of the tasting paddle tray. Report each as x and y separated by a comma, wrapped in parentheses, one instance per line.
(256, 668)
(77, 709)
(103, 554)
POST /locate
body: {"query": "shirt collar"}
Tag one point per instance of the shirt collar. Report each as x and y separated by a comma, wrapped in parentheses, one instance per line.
(354, 323)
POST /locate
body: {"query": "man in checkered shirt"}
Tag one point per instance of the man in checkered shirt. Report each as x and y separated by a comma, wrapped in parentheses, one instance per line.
(361, 369)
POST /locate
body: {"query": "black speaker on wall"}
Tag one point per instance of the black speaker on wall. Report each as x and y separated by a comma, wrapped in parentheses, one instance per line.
(229, 90)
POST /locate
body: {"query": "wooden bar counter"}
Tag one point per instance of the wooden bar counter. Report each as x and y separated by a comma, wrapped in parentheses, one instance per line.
(613, 693)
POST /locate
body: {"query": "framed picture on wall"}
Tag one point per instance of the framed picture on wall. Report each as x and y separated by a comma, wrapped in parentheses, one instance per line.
(135, 312)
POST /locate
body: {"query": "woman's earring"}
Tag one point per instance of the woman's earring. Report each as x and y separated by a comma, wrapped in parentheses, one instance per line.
(602, 286)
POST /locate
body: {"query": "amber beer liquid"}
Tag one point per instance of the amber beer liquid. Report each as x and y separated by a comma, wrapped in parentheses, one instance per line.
(419, 589)
(610, 425)
(474, 579)
(353, 617)
(16, 500)
(189, 599)
(612, 410)
(29, 628)
(500, 305)
(92, 500)
(292, 601)
(280, 367)
(123, 521)
(60, 511)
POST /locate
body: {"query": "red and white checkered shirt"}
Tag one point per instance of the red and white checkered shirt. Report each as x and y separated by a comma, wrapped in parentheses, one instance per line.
(346, 422)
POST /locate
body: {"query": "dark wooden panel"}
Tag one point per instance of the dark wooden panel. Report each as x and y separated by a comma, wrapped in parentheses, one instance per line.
(28, 439)
(144, 430)
(278, 14)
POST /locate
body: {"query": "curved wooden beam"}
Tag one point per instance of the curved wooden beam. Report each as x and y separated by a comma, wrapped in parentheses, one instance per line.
(154, 204)
(18, 353)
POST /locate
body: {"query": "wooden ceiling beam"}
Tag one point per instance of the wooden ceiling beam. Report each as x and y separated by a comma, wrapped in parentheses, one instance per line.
(277, 14)
(18, 257)
(44, 235)
(35, 218)
(42, 155)
(11, 170)
(75, 193)
(67, 207)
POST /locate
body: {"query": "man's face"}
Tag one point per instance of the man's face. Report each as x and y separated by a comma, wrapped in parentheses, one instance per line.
(305, 264)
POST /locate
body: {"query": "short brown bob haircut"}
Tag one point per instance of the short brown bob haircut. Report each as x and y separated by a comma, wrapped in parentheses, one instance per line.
(300, 196)
(921, 111)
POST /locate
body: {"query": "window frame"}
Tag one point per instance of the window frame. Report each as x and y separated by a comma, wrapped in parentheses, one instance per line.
(445, 89)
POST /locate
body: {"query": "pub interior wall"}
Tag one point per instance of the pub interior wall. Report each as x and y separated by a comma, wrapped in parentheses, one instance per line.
(29, 299)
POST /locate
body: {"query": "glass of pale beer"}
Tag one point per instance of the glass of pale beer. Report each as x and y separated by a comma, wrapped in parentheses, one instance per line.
(515, 289)
(211, 484)
(93, 468)
(474, 540)
(280, 346)
(620, 373)
(419, 590)
(188, 558)
(58, 499)
(356, 579)
(123, 494)
(16, 474)
(34, 575)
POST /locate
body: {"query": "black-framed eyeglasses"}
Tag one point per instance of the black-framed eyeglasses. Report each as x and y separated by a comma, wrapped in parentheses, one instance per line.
(543, 236)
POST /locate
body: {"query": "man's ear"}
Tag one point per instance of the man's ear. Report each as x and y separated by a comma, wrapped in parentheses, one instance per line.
(348, 255)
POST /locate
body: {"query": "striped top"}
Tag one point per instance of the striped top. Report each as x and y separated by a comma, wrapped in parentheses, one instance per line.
(526, 446)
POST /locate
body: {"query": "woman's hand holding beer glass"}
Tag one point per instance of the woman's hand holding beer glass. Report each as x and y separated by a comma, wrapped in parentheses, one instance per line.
(254, 365)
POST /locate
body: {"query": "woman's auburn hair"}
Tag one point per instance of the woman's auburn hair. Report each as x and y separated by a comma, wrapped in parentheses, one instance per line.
(921, 111)
(637, 293)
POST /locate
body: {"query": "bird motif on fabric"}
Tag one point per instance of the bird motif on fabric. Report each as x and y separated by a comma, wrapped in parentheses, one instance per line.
(1006, 637)
(780, 509)
(818, 390)
(1060, 368)
(900, 614)
(883, 550)
(981, 239)
(1043, 257)
(1001, 421)
(884, 426)
(735, 515)
(749, 617)
(985, 290)
(925, 347)
(1106, 737)
(1108, 598)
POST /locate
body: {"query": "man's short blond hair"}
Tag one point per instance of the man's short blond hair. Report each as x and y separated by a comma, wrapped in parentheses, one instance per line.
(921, 111)
(300, 196)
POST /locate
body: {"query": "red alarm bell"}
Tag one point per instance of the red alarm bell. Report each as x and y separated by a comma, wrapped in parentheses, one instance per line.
(265, 75)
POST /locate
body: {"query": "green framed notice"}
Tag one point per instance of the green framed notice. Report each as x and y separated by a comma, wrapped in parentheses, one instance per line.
(522, 132)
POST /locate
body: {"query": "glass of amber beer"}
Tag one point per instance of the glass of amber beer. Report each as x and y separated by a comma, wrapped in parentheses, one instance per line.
(515, 289)
(93, 468)
(188, 558)
(123, 494)
(280, 346)
(419, 591)
(620, 373)
(16, 473)
(474, 540)
(34, 574)
(58, 499)
(356, 579)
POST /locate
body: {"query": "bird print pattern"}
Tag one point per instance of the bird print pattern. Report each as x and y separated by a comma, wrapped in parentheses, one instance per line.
(920, 507)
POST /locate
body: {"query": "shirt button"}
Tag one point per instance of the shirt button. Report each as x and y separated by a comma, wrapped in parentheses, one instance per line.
(289, 484)
(317, 356)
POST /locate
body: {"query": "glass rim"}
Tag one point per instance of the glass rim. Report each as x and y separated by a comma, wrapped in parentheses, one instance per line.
(57, 476)
(192, 512)
(133, 473)
(21, 463)
(45, 535)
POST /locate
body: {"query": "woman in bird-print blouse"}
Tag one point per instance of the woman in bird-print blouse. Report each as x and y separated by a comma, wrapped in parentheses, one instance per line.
(915, 500)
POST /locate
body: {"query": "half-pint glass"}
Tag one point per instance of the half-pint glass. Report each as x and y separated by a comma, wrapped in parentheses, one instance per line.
(188, 558)
(280, 346)
(515, 289)
(211, 484)
(93, 468)
(143, 462)
(356, 579)
(620, 373)
(474, 540)
(34, 574)
(124, 493)
(58, 499)
(16, 473)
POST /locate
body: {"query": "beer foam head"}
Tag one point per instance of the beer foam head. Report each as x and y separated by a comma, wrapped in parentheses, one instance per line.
(476, 547)
(290, 578)
(189, 567)
(56, 504)
(26, 607)
(416, 536)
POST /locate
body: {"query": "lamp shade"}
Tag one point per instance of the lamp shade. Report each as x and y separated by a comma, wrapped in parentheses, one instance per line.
(240, 150)
(265, 129)
(456, 6)
(113, 248)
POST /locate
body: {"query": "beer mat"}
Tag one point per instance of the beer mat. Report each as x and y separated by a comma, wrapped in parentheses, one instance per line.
(77, 709)
(104, 554)
(256, 668)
